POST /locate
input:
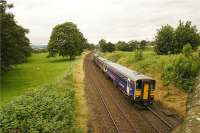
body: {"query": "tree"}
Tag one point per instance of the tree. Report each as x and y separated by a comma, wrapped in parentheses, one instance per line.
(186, 33)
(91, 46)
(169, 41)
(102, 45)
(123, 46)
(133, 45)
(143, 44)
(165, 40)
(110, 47)
(66, 40)
(106, 47)
(15, 46)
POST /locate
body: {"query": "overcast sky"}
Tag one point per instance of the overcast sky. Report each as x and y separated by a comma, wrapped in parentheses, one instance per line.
(112, 20)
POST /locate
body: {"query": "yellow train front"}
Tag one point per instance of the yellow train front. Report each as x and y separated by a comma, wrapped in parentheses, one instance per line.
(144, 91)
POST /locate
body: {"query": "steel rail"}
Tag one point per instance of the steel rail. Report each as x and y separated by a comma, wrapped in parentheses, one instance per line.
(157, 115)
(103, 101)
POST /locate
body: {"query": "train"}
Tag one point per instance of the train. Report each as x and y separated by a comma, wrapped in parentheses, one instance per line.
(138, 87)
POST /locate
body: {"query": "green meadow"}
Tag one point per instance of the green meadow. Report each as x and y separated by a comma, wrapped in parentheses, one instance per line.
(37, 72)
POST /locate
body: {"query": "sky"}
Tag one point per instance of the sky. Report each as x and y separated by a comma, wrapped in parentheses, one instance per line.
(112, 20)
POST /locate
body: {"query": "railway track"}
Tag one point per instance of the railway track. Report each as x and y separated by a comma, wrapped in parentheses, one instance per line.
(158, 116)
(104, 103)
(119, 108)
(122, 113)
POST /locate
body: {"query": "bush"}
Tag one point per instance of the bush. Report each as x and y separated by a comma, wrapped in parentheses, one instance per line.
(198, 51)
(138, 55)
(50, 109)
(187, 50)
(182, 71)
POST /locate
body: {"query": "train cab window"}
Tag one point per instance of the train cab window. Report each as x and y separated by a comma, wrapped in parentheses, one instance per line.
(139, 85)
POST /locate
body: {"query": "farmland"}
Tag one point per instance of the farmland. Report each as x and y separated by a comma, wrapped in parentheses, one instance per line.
(37, 72)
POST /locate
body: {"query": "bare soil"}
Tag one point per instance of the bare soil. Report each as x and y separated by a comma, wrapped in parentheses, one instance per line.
(111, 111)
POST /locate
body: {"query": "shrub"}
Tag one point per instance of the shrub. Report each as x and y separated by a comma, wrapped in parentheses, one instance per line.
(50, 109)
(138, 55)
(187, 50)
(182, 71)
(198, 51)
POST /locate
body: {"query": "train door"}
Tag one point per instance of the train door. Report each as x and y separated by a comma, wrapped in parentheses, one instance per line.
(145, 90)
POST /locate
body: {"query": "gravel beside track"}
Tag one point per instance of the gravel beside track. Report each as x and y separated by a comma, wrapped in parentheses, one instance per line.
(111, 111)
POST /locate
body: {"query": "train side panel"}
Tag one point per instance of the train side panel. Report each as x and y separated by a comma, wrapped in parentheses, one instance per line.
(119, 81)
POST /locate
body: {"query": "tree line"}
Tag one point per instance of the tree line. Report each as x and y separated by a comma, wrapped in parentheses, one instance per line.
(167, 40)
(15, 46)
(122, 45)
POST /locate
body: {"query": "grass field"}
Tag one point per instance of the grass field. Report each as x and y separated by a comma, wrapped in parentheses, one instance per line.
(37, 72)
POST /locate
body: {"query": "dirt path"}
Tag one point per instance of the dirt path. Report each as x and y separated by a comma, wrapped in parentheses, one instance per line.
(111, 111)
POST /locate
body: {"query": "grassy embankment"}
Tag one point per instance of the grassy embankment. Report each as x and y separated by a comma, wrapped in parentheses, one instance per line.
(152, 65)
(53, 105)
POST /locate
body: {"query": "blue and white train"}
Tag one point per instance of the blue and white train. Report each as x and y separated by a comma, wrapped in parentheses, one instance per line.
(138, 87)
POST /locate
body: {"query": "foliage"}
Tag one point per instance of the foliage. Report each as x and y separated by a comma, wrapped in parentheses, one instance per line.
(138, 55)
(50, 109)
(165, 40)
(123, 46)
(170, 41)
(106, 47)
(36, 72)
(198, 51)
(91, 46)
(182, 71)
(186, 33)
(131, 45)
(15, 46)
(187, 50)
(66, 40)
(143, 44)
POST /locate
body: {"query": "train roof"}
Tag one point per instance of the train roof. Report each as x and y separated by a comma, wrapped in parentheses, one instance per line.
(127, 72)
(101, 58)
